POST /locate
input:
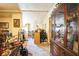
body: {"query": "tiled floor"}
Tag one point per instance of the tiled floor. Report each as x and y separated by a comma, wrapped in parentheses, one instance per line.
(36, 50)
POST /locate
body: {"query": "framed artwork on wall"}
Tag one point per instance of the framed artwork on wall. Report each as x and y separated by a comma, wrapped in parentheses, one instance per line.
(4, 25)
(16, 22)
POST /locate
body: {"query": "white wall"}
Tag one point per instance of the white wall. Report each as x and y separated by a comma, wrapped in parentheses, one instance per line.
(33, 18)
(46, 21)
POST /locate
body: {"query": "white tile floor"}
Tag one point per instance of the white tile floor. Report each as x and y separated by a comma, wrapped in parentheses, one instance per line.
(36, 50)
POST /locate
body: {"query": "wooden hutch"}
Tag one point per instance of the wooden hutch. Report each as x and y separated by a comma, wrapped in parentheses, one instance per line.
(65, 30)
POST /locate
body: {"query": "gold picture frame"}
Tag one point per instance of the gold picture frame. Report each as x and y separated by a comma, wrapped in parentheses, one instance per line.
(4, 25)
(16, 22)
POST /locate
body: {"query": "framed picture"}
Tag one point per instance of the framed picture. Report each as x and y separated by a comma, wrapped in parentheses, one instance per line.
(4, 25)
(16, 22)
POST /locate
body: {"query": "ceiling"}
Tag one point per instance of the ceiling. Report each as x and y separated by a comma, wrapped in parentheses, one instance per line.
(26, 6)
(9, 7)
(35, 7)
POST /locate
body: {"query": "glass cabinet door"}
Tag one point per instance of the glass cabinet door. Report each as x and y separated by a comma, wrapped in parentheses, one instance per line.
(72, 39)
(59, 28)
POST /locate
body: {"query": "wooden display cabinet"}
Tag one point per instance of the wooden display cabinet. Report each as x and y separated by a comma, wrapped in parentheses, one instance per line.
(65, 30)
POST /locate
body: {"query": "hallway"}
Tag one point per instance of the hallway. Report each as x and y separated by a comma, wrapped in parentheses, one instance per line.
(37, 50)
